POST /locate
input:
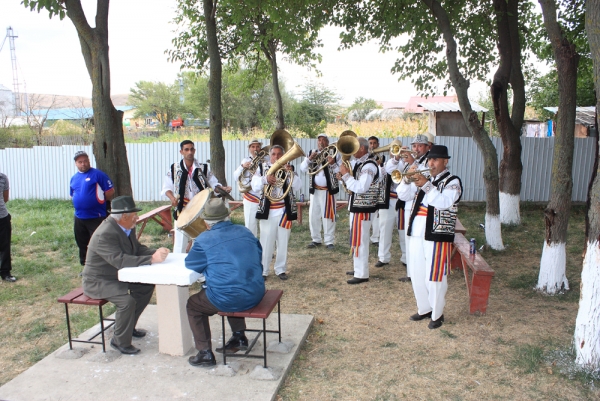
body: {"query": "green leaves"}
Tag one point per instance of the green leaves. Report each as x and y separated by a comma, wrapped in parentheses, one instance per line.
(54, 7)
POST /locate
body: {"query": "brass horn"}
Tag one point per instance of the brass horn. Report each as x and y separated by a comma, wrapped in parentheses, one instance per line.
(243, 181)
(394, 148)
(292, 151)
(347, 145)
(397, 176)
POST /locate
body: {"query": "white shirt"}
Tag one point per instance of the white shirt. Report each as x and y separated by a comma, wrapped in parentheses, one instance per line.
(365, 176)
(247, 177)
(320, 179)
(191, 188)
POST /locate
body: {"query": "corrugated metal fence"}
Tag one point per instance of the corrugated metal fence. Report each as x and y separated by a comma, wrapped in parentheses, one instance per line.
(44, 172)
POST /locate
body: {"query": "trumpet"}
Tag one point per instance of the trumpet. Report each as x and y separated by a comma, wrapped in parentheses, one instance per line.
(405, 152)
(397, 176)
(259, 156)
(347, 145)
(292, 151)
(395, 147)
(321, 159)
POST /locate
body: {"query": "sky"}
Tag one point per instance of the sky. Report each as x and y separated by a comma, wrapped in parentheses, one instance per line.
(50, 62)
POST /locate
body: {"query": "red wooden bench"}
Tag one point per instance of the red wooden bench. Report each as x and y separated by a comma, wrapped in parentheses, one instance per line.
(260, 311)
(478, 274)
(77, 297)
(162, 215)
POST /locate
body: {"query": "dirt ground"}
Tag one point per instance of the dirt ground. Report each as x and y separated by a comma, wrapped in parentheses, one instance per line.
(362, 345)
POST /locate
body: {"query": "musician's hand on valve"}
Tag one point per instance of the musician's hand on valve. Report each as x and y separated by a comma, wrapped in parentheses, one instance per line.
(419, 180)
(330, 160)
(246, 165)
(313, 156)
(344, 169)
(408, 158)
(289, 167)
(271, 179)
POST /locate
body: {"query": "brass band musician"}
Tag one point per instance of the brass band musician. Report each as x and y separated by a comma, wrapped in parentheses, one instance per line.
(250, 198)
(275, 218)
(362, 180)
(323, 185)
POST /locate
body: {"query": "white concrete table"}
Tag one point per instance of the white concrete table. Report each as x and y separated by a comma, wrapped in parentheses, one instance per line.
(172, 281)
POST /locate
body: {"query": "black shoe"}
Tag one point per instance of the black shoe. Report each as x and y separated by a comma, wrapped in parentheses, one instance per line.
(138, 333)
(237, 342)
(129, 350)
(9, 278)
(357, 280)
(330, 246)
(434, 324)
(404, 279)
(283, 276)
(203, 358)
(351, 273)
(265, 278)
(380, 264)
(375, 243)
(416, 317)
(313, 245)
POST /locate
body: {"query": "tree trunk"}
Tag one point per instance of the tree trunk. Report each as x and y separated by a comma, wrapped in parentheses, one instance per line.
(509, 71)
(552, 278)
(217, 150)
(109, 142)
(493, 229)
(271, 54)
(587, 325)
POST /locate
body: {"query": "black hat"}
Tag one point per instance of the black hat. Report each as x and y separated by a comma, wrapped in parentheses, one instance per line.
(124, 204)
(438, 152)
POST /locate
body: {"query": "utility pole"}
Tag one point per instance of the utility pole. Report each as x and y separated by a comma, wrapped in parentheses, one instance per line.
(13, 57)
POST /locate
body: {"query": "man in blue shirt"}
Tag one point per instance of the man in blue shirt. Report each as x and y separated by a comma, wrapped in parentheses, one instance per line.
(90, 190)
(230, 257)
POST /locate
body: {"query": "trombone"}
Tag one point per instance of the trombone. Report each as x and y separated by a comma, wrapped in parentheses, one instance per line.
(410, 176)
(292, 151)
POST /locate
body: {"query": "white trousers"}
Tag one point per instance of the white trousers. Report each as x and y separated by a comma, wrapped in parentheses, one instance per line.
(250, 209)
(375, 226)
(430, 295)
(388, 220)
(316, 211)
(406, 251)
(270, 235)
(361, 262)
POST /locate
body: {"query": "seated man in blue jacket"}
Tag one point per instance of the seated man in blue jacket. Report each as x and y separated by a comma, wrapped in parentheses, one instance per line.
(229, 256)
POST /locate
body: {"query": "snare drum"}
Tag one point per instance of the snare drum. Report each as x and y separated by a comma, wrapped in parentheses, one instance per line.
(189, 220)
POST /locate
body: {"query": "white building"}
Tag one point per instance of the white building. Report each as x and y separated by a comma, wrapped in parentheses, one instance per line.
(6, 102)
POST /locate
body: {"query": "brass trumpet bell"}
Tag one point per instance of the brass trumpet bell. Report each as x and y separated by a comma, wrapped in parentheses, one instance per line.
(347, 145)
(394, 148)
(397, 176)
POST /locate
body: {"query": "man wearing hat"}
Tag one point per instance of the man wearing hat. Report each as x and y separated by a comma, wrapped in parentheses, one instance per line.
(91, 189)
(5, 232)
(322, 187)
(250, 198)
(182, 182)
(113, 246)
(419, 145)
(431, 232)
(230, 257)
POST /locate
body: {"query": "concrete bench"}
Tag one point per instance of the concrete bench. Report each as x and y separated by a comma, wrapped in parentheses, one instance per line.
(77, 297)
(162, 215)
(260, 311)
(478, 274)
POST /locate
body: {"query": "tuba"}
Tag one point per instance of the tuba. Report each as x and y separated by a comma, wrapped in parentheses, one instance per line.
(347, 145)
(292, 151)
(259, 157)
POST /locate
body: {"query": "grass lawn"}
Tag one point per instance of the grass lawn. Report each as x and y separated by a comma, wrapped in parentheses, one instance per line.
(362, 345)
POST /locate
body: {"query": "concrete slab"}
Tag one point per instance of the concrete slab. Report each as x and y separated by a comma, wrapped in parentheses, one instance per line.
(67, 375)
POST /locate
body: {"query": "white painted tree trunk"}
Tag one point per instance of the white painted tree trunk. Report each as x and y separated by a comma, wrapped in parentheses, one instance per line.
(552, 278)
(493, 232)
(587, 325)
(509, 209)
